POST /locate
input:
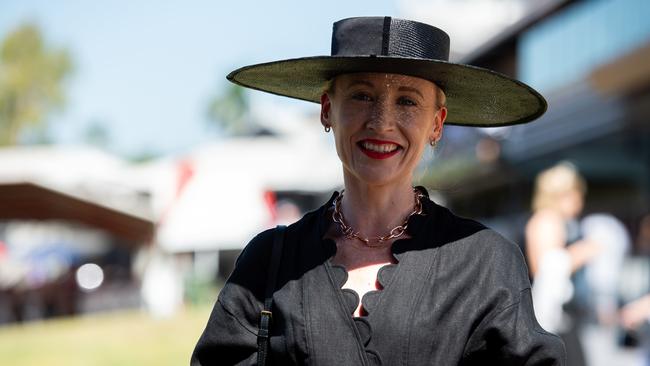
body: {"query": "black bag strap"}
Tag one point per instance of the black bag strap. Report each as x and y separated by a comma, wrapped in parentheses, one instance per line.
(266, 314)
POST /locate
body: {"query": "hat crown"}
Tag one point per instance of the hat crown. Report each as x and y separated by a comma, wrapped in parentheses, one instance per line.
(387, 36)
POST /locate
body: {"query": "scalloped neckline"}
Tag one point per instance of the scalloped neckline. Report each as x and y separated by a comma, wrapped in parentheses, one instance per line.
(364, 302)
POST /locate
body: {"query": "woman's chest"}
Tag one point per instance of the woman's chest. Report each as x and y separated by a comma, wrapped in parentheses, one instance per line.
(361, 274)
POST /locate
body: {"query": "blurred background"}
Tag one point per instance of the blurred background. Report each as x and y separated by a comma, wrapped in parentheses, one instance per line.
(132, 173)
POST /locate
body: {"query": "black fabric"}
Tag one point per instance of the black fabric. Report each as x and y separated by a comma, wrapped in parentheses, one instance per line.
(412, 39)
(458, 295)
(574, 353)
(358, 36)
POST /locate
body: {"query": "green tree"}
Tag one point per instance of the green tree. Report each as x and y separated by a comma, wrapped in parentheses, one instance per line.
(31, 78)
(230, 111)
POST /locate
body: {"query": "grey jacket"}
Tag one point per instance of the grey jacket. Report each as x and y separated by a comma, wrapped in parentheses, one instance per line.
(459, 295)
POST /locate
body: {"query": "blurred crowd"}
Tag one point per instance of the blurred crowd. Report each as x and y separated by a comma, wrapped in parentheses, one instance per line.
(590, 274)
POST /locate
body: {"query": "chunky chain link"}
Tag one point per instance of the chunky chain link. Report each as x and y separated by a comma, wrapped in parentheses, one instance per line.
(394, 233)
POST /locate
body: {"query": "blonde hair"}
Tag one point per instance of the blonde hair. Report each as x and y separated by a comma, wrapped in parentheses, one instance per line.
(554, 182)
(441, 97)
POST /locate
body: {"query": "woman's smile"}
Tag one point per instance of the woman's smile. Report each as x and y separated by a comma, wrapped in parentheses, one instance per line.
(378, 149)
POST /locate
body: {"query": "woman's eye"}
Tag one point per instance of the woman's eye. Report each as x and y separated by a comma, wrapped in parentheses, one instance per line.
(406, 101)
(362, 97)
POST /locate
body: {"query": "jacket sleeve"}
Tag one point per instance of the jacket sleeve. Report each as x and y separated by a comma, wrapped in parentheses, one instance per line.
(225, 341)
(230, 336)
(508, 332)
(512, 336)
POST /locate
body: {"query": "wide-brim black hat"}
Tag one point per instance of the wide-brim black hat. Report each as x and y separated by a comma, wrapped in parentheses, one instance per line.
(475, 96)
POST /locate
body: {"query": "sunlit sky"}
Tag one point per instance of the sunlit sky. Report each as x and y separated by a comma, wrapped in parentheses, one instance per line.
(147, 69)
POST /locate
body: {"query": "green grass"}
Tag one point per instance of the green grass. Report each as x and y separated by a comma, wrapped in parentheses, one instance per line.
(115, 339)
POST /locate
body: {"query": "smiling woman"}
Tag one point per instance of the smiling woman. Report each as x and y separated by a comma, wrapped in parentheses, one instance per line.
(377, 116)
(380, 274)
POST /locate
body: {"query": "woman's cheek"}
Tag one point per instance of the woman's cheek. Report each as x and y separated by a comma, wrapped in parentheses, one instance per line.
(407, 117)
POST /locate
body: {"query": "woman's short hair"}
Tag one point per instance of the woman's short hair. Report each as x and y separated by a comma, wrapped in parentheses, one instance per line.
(552, 183)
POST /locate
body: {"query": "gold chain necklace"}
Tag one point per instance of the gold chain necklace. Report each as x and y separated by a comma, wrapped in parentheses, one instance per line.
(395, 232)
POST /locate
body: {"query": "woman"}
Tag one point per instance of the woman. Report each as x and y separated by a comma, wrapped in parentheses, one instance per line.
(380, 274)
(557, 252)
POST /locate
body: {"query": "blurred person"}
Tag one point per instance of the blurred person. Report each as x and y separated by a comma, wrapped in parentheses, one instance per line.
(557, 252)
(380, 274)
(601, 333)
(602, 273)
(635, 314)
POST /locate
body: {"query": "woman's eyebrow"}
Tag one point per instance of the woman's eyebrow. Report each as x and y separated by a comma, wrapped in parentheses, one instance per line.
(410, 89)
(360, 82)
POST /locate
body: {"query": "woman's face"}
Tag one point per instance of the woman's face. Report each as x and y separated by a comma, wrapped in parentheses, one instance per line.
(381, 124)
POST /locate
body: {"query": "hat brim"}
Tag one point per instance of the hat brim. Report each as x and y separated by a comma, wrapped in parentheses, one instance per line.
(475, 96)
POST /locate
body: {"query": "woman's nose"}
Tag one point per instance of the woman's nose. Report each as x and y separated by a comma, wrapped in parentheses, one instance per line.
(381, 117)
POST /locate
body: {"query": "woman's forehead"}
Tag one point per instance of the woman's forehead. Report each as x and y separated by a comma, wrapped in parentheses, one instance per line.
(376, 79)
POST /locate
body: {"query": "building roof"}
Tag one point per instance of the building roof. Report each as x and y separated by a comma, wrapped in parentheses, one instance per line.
(539, 11)
(29, 201)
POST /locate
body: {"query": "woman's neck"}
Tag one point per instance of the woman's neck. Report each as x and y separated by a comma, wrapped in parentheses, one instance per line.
(373, 211)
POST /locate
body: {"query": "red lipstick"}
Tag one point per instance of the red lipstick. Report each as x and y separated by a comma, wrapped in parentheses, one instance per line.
(378, 149)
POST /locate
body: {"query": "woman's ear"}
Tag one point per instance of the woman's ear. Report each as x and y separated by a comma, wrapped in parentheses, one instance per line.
(438, 123)
(325, 109)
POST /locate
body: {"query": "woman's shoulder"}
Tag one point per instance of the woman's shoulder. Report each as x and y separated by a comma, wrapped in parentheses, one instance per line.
(480, 237)
(500, 259)
(480, 248)
(457, 226)
(249, 276)
(258, 251)
(497, 247)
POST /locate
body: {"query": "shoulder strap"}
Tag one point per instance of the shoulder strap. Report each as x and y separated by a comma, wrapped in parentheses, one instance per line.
(265, 314)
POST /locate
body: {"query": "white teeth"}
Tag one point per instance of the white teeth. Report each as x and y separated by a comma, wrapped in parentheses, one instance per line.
(381, 148)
